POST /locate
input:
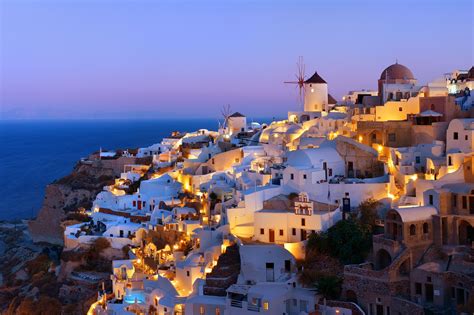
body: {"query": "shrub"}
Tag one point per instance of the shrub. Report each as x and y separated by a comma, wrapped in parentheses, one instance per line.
(347, 240)
(368, 212)
(329, 286)
(38, 264)
(100, 244)
(292, 196)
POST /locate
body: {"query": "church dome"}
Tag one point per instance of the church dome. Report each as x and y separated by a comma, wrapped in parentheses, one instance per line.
(397, 72)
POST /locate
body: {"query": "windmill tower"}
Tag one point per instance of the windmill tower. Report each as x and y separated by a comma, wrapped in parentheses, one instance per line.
(316, 95)
(300, 80)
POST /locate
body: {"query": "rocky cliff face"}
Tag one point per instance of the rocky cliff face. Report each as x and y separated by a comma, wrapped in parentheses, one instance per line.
(71, 192)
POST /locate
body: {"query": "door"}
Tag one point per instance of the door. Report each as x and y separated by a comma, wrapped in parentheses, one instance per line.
(379, 309)
(429, 292)
(350, 169)
(139, 205)
(471, 204)
(271, 236)
(270, 268)
(303, 234)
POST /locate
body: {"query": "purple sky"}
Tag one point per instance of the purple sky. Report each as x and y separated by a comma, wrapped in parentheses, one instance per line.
(137, 58)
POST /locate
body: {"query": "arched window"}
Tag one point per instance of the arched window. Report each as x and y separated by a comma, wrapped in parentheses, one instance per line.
(412, 229)
(425, 228)
(432, 107)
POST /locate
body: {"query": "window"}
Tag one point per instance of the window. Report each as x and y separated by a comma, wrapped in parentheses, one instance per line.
(466, 137)
(201, 310)
(432, 107)
(455, 136)
(134, 203)
(391, 137)
(266, 306)
(430, 199)
(262, 231)
(304, 176)
(218, 311)
(412, 230)
(281, 232)
(455, 200)
(418, 288)
(187, 273)
(400, 109)
(464, 202)
(293, 231)
(425, 228)
(450, 160)
(303, 222)
(292, 176)
(417, 160)
(330, 172)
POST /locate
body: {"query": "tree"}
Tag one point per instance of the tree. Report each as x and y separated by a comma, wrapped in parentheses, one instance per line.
(329, 286)
(213, 196)
(368, 212)
(347, 240)
(100, 244)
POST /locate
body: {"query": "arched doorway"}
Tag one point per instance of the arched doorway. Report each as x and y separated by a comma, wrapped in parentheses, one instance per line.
(466, 233)
(404, 269)
(382, 259)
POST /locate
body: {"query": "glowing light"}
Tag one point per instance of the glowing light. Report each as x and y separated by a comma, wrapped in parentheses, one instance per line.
(360, 138)
(391, 196)
(414, 177)
(266, 306)
(379, 148)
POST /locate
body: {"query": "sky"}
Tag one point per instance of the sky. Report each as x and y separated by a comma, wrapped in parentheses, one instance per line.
(164, 59)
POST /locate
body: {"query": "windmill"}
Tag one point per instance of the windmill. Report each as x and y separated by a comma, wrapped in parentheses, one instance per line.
(226, 112)
(300, 78)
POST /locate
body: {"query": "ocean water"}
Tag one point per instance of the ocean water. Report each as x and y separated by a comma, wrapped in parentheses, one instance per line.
(35, 153)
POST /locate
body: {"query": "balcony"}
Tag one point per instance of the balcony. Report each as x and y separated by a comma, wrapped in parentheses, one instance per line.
(253, 308)
(236, 303)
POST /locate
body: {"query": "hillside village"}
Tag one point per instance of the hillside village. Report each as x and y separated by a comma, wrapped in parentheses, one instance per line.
(358, 206)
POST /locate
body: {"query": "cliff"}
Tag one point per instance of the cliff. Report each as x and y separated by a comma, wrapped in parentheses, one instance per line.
(73, 191)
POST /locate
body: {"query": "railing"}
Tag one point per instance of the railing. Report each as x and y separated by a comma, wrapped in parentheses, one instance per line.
(236, 303)
(253, 308)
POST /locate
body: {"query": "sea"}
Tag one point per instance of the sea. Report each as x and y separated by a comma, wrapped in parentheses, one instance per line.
(36, 152)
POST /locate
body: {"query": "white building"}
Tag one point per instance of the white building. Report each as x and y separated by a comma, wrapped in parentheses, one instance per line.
(316, 94)
(295, 224)
(237, 123)
(267, 284)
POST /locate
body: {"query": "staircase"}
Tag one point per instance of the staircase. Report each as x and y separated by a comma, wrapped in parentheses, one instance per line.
(225, 273)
